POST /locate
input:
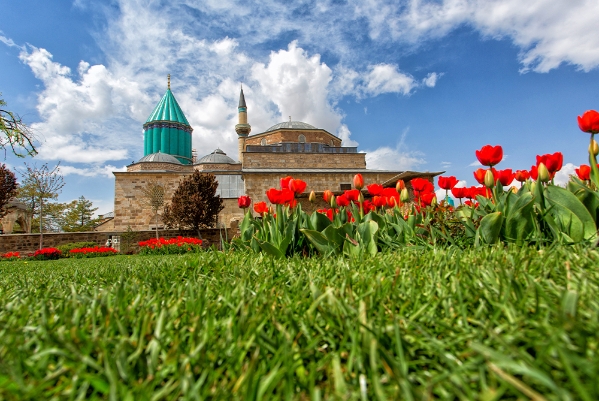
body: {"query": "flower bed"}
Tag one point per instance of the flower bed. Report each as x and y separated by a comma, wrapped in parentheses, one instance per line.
(170, 246)
(92, 252)
(46, 254)
(10, 256)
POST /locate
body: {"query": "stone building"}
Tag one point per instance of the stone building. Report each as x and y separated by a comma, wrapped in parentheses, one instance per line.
(290, 148)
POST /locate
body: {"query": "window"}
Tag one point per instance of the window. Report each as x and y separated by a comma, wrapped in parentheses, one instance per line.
(230, 186)
(263, 142)
(344, 187)
(301, 138)
(332, 143)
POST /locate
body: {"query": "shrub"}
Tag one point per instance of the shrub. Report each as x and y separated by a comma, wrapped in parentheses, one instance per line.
(67, 248)
(46, 254)
(171, 246)
(92, 252)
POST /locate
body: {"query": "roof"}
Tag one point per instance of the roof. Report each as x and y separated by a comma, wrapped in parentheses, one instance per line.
(292, 125)
(159, 157)
(216, 157)
(168, 110)
(242, 99)
(408, 175)
(288, 171)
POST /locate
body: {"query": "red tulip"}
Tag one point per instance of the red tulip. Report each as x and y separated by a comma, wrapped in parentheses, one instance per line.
(583, 172)
(327, 212)
(553, 162)
(422, 185)
(261, 208)
(489, 155)
(342, 201)
(447, 182)
(479, 175)
(375, 189)
(292, 203)
(505, 176)
(327, 195)
(589, 122)
(379, 201)
(285, 182)
(244, 201)
(352, 194)
(392, 201)
(427, 198)
(459, 192)
(297, 186)
(274, 195)
(368, 206)
(358, 181)
(521, 175)
(287, 196)
(400, 185)
(534, 174)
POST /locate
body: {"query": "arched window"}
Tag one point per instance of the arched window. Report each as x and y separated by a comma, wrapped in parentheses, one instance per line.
(263, 142)
(301, 138)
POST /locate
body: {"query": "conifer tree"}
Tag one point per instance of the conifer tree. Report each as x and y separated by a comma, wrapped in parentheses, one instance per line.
(79, 215)
(8, 187)
(194, 204)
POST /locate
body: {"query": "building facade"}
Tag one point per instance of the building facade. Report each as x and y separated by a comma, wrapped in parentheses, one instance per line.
(291, 148)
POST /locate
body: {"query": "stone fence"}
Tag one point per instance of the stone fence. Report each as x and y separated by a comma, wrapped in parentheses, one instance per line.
(30, 242)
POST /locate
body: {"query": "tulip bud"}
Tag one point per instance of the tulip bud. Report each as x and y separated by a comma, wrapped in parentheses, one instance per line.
(358, 181)
(405, 195)
(333, 202)
(400, 185)
(543, 173)
(361, 197)
(434, 201)
(594, 147)
(327, 195)
(489, 179)
(312, 197)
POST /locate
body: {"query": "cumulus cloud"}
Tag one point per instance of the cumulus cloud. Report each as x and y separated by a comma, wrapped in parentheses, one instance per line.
(95, 171)
(385, 78)
(394, 158)
(563, 176)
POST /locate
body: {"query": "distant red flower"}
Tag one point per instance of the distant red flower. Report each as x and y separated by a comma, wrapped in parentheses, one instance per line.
(505, 176)
(352, 194)
(285, 182)
(589, 122)
(534, 173)
(479, 175)
(261, 208)
(400, 185)
(342, 201)
(489, 155)
(358, 181)
(368, 206)
(583, 172)
(447, 182)
(244, 201)
(375, 189)
(297, 186)
(521, 175)
(553, 162)
(459, 192)
(379, 201)
(427, 198)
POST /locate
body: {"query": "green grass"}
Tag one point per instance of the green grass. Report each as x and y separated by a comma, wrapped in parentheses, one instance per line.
(478, 324)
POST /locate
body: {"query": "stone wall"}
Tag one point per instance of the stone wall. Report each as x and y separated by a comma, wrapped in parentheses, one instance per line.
(209, 167)
(30, 242)
(157, 166)
(304, 160)
(290, 135)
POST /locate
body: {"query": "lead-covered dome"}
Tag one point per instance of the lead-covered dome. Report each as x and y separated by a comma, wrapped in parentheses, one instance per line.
(292, 125)
(216, 157)
(159, 157)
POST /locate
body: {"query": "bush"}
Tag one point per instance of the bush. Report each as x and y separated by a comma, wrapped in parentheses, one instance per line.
(46, 254)
(171, 246)
(67, 248)
(92, 252)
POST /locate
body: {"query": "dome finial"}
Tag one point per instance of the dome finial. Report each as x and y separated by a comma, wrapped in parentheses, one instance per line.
(289, 118)
(169, 81)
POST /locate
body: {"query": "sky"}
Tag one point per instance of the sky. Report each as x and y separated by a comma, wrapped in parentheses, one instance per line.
(416, 84)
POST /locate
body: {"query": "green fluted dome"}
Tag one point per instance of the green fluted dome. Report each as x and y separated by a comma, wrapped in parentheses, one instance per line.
(168, 110)
(167, 130)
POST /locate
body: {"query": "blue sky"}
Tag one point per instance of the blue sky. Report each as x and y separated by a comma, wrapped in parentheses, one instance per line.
(417, 84)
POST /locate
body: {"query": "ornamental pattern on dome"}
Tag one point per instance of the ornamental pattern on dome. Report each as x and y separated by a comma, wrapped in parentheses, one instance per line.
(292, 125)
(216, 157)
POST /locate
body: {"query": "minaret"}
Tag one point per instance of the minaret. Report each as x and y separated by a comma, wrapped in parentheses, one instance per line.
(243, 128)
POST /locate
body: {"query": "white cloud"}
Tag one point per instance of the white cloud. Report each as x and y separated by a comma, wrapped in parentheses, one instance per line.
(431, 79)
(563, 176)
(7, 41)
(385, 78)
(96, 171)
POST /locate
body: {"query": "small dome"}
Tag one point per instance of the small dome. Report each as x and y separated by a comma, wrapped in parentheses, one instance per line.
(291, 124)
(159, 157)
(216, 157)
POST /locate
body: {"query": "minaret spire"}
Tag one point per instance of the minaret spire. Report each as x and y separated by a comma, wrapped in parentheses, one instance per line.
(243, 128)
(169, 81)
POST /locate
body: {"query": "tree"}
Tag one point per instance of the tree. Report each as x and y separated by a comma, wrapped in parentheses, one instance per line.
(194, 204)
(8, 188)
(42, 183)
(153, 196)
(79, 216)
(14, 133)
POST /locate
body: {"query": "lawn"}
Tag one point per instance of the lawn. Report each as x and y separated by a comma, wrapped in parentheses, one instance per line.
(486, 323)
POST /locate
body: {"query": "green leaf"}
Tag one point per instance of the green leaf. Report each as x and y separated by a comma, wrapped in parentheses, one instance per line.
(490, 228)
(590, 199)
(270, 249)
(367, 232)
(519, 223)
(320, 241)
(569, 213)
(319, 221)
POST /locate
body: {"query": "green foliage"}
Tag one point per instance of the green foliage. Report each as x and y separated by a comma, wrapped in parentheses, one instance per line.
(477, 324)
(8, 187)
(128, 239)
(78, 216)
(66, 248)
(15, 134)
